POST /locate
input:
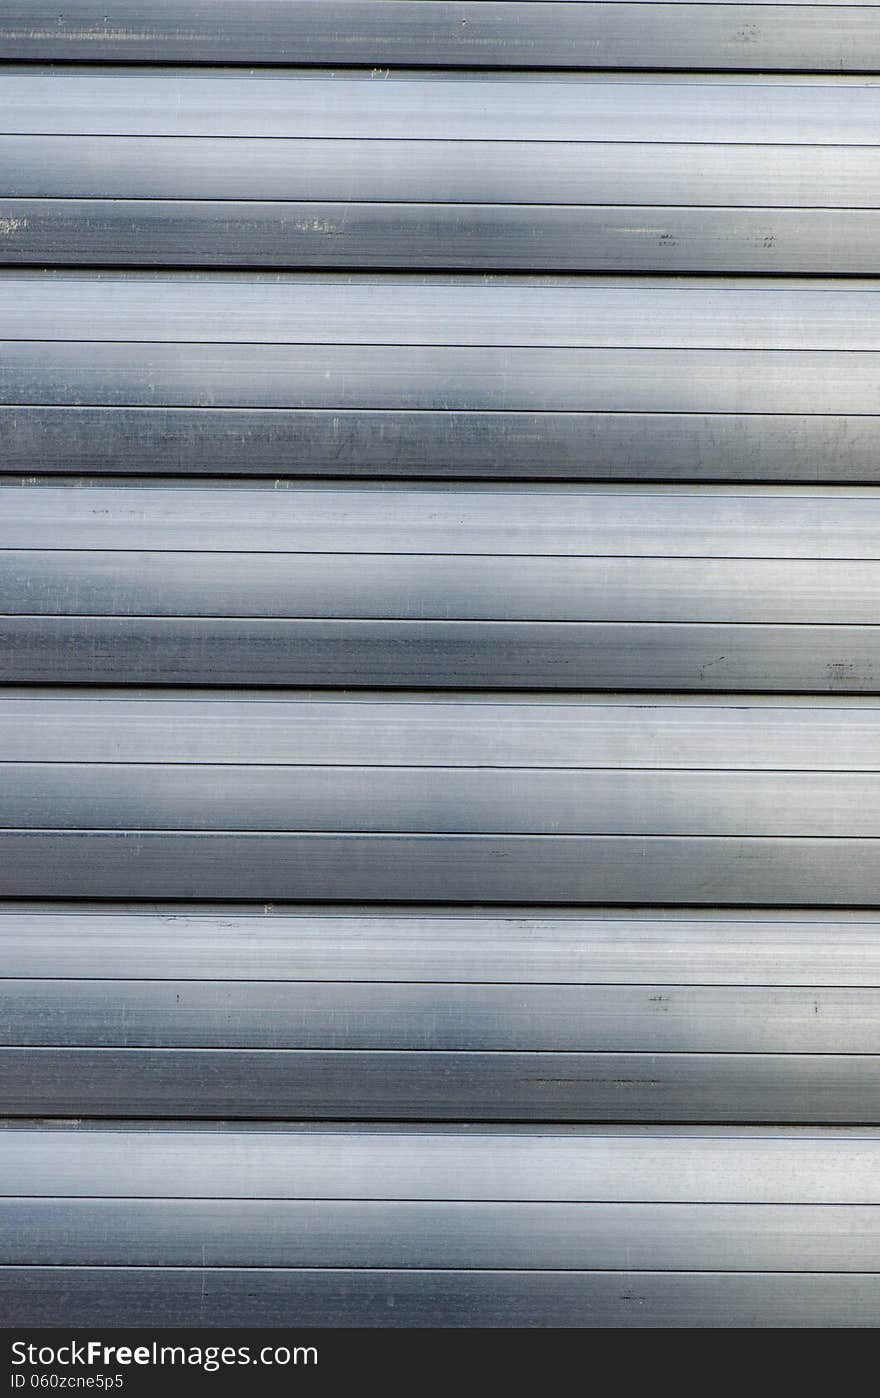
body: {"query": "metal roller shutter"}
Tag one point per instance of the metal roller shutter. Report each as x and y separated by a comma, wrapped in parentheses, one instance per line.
(439, 649)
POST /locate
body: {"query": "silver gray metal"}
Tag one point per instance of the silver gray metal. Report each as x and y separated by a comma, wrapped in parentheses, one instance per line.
(431, 800)
(470, 655)
(613, 238)
(706, 871)
(518, 521)
(439, 1085)
(405, 377)
(589, 195)
(360, 309)
(833, 36)
(378, 105)
(440, 171)
(563, 1164)
(532, 1237)
(535, 378)
(433, 587)
(108, 1013)
(742, 984)
(448, 947)
(745, 589)
(381, 1298)
(463, 799)
(439, 236)
(438, 444)
(381, 730)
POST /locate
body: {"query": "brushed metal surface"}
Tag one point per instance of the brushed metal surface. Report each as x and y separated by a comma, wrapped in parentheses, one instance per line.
(643, 238)
(438, 1233)
(621, 1164)
(377, 105)
(290, 729)
(455, 654)
(360, 309)
(435, 800)
(432, 587)
(669, 446)
(341, 1084)
(834, 36)
(137, 374)
(516, 946)
(600, 521)
(439, 171)
(108, 1013)
(599, 588)
(498, 906)
(633, 225)
(370, 1298)
(790, 872)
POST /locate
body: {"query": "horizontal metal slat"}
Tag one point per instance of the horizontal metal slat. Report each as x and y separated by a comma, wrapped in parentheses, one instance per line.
(443, 655)
(358, 309)
(396, 612)
(835, 36)
(647, 732)
(375, 1234)
(757, 1165)
(768, 523)
(436, 800)
(438, 171)
(791, 872)
(181, 102)
(267, 1297)
(437, 443)
(426, 587)
(217, 1297)
(528, 237)
(517, 946)
(303, 1084)
(438, 378)
(106, 1013)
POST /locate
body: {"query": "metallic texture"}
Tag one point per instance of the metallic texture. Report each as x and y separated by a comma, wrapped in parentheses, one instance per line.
(598, 588)
(405, 170)
(466, 799)
(831, 36)
(537, 947)
(439, 652)
(225, 1297)
(505, 1226)
(403, 376)
(438, 444)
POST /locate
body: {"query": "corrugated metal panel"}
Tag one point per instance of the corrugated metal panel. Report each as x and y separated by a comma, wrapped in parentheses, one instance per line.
(373, 527)
(457, 587)
(603, 204)
(579, 378)
(505, 1226)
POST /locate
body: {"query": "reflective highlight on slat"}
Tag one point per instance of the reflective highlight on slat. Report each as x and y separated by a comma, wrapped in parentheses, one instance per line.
(832, 36)
(744, 589)
(300, 798)
(358, 375)
(514, 1015)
